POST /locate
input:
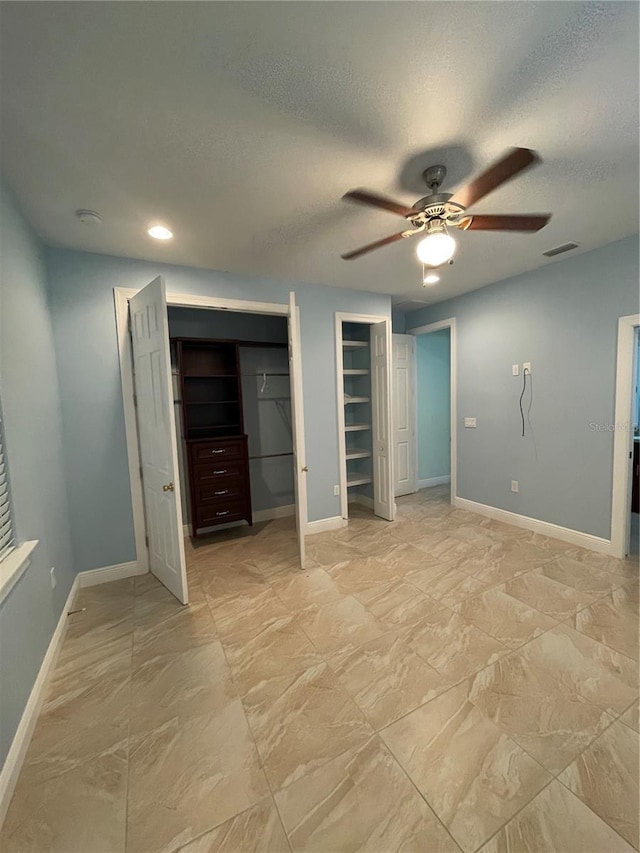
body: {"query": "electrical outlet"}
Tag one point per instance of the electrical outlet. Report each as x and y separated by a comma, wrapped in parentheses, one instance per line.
(515, 370)
(515, 486)
(52, 575)
(470, 423)
(527, 366)
(336, 490)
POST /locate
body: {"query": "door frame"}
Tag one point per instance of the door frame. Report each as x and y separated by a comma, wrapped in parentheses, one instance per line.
(623, 435)
(449, 323)
(414, 368)
(369, 320)
(121, 296)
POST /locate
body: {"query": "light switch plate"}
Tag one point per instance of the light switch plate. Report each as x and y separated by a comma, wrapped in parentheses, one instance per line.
(470, 423)
(515, 486)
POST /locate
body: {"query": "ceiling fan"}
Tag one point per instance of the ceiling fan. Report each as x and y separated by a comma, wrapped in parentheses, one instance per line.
(433, 214)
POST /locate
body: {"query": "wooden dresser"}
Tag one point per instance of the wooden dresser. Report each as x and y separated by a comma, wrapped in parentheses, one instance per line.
(217, 457)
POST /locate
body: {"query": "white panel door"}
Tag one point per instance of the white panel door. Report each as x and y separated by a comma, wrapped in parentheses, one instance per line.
(157, 437)
(297, 422)
(404, 415)
(383, 502)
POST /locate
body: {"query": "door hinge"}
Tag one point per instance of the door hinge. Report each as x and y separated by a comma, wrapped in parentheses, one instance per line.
(140, 469)
(146, 539)
(135, 400)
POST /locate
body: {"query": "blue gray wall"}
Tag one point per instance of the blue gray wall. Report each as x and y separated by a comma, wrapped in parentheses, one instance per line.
(92, 414)
(563, 319)
(29, 392)
(433, 401)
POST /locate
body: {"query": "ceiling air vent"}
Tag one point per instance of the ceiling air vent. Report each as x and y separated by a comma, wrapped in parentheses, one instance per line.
(566, 247)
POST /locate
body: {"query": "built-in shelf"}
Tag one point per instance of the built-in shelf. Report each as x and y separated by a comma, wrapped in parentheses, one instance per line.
(355, 371)
(348, 400)
(209, 376)
(355, 343)
(359, 454)
(356, 427)
(357, 481)
(209, 402)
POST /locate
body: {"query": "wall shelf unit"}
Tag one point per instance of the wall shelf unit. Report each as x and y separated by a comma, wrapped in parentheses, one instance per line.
(356, 383)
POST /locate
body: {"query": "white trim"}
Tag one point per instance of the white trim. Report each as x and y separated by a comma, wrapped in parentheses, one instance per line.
(121, 297)
(450, 324)
(322, 525)
(366, 319)
(430, 482)
(259, 515)
(546, 528)
(623, 438)
(22, 737)
(14, 565)
(93, 577)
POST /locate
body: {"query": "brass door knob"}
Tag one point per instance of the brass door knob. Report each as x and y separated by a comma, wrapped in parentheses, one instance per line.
(169, 487)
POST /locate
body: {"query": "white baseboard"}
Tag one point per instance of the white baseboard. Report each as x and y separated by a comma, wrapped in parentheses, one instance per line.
(322, 525)
(22, 738)
(545, 528)
(434, 481)
(259, 515)
(93, 577)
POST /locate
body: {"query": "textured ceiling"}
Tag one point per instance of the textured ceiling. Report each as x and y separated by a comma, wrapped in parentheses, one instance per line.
(242, 124)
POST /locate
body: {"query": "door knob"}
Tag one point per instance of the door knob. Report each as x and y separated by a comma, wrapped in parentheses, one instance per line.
(169, 487)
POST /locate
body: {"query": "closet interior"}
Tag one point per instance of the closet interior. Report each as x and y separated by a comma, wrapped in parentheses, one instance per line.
(357, 401)
(233, 415)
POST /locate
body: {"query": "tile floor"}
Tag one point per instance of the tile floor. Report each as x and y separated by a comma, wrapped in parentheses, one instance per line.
(441, 683)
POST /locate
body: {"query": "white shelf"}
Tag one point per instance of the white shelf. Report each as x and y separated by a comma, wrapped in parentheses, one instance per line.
(346, 343)
(359, 454)
(357, 481)
(356, 427)
(356, 400)
(355, 371)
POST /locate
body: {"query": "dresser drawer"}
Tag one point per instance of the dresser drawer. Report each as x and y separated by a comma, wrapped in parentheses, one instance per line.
(220, 512)
(207, 474)
(225, 491)
(207, 451)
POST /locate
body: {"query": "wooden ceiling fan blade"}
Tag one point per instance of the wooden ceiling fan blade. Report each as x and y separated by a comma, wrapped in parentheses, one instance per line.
(380, 201)
(349, 256)
(498, 222)
(512, 164)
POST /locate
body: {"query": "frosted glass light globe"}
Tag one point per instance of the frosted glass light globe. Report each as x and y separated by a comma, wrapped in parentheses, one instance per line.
(436, 248)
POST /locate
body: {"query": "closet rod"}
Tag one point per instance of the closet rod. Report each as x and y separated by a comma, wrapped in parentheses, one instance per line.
(272, 455)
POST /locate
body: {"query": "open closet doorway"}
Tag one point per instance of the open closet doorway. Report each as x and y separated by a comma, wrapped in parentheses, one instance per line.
(363, 363)
(213, 446)
(435, 405)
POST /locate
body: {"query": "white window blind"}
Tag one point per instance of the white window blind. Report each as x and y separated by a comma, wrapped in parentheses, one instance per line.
(6, 523)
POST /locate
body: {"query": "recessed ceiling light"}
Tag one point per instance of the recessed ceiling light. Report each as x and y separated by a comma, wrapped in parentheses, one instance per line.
(159, 232)
(431, 278)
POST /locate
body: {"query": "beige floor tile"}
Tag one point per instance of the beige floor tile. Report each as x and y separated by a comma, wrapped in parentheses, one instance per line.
(307, 721)
(362, 575)
(504, 617)
(326, 549)
(163, 625)
(556, 822)
(453, 586)
(340, 625)
(360, 801)
(77, 810)
(298, 590)
(229, 580)
(188, 776)
(398, 605)
(258, 658)
(631, 716)
(184, 684)
(471, 773)
(550, 723)
(547, 595)
(247, 615)
(581, 576)
(612, 620)
(596, 673)
(256, 830)
(605, 777)
(451, 644)
(387, 679)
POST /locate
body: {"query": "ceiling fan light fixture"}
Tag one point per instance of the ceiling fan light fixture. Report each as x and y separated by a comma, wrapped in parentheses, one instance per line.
(159, 232)
(437, 248)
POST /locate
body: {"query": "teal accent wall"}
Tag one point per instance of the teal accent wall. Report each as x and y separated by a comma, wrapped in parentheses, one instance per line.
(30, 401)
(433, 400)
(91, 399)
(563, 318)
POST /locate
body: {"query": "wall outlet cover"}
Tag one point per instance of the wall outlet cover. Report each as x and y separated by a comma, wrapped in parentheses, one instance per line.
(470, 423)
(336, 490)
(527, 366)
(515, 370)
(515, 486)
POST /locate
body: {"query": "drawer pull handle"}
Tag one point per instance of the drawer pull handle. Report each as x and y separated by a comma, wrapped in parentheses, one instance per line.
(221, 492)
(226, 512)
(221, 471)
(218, 451)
